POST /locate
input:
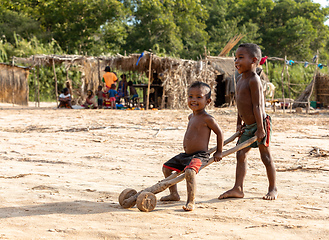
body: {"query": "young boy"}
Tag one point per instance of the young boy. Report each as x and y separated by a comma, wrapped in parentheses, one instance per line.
(99, 94)
(251, 112)
(195, 143)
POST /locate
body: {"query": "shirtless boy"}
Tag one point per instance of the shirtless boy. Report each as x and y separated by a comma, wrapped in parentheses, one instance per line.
(252, 120)
(195, 143)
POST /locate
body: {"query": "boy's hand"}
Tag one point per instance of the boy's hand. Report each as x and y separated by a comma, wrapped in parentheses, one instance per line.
(240, 128)
(260, 134)
(217, 156)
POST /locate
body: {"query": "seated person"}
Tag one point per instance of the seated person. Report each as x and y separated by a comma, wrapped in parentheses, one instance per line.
(65, 99)
(106, 100)
(132, 91)
(91, 102)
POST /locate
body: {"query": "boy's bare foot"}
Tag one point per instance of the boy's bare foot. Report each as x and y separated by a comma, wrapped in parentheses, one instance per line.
(233, 193)
(271, 195)
(171, 197)
(189, 207)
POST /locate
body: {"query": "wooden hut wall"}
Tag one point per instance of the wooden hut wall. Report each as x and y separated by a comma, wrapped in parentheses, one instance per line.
(180, 76)
(90, 79)
(322, 89)
(14, 84)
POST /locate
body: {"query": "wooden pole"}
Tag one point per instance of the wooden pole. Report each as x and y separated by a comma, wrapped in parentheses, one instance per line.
(13, 71)
(313, 82)
(56, 87)
(99, 72)
(38, 85)
(289, 90)
(282, 79)
(149, 84)
(35, 87)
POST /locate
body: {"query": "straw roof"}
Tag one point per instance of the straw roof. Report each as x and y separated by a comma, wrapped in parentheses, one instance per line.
(176, 74)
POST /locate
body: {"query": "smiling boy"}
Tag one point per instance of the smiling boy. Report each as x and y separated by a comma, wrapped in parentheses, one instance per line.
(252, 120)
(195, 143)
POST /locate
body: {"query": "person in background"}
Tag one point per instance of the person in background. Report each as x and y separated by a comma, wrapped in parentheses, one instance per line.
(99, 94)
(122, 88)
(109, 78)
(132, 91)
(65, 99)
(112, 95)
(90, 102)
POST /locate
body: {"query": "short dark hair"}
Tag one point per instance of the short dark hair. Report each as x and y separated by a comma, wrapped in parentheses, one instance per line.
(107, 69)
(130, 83)
(202, 85)
(65, 90)
(253, 49)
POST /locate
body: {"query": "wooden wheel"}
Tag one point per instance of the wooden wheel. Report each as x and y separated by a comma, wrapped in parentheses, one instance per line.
(146, 201)
(125, 194)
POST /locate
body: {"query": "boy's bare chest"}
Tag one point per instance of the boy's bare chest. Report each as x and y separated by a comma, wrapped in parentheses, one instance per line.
(242, 88)
(196, 127)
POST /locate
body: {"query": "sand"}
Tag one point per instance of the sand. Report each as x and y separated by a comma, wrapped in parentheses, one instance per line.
(62, 172)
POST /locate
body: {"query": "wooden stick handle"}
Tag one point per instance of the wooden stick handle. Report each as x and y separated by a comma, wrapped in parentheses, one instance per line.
(159, 187)
(232, 150)
(230, 139)
(210, 151)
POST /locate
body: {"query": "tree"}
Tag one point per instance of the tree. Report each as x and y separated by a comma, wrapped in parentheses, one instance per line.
(14, 23)
(154, 28)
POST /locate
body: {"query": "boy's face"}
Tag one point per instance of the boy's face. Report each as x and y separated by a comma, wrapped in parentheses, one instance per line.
(197, 99)
(243, 60)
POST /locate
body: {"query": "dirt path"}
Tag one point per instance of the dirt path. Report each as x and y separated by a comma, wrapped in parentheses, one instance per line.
(62, 172)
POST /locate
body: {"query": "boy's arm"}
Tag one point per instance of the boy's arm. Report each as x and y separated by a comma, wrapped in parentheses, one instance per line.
(213, 125)
(256, 94)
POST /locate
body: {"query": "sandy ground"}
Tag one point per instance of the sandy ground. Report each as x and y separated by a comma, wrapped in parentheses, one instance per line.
(62, 172)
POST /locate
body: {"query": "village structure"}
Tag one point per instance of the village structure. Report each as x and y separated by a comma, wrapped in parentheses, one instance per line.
(174, 75)
(168, 78)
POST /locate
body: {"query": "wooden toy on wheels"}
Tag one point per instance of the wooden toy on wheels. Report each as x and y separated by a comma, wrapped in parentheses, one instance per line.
(146, 199)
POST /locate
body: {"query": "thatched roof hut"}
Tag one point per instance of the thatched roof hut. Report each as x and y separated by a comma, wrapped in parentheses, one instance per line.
(175, 74)
(14, 84)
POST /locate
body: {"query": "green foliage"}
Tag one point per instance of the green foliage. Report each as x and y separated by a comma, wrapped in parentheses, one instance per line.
(299, 78)
(47, 83)
(19, 23)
